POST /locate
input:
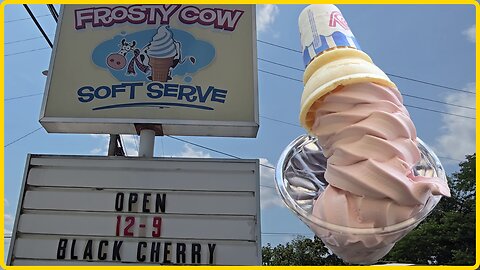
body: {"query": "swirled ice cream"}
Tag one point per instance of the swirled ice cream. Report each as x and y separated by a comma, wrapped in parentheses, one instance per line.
(368, 138)
(369, 141)
(161, 53)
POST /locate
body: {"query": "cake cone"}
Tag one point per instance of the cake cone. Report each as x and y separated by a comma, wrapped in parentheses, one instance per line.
(332, 58)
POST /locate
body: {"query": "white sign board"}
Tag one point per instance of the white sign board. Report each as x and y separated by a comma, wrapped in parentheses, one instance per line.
(184, 69)
(116, 210)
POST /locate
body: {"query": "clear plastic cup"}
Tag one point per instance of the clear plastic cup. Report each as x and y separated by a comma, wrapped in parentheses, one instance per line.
(300, 180)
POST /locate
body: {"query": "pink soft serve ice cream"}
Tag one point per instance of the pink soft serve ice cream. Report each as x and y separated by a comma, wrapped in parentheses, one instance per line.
(369, 141)
(368, 138)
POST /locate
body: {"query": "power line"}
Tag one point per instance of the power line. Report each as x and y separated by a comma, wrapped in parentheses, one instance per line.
(221, 152)
(19, 97)
(22, 52)
(22, 137)
(27, 18)
(292, 124)
(440, 102)
(429, 83)
(279, 75)
(407, 95)
(293, 79)
(430, 110)
(38, 25)
(204, 147)
(389, 74)
(22, 40)
(280, 121)
(279, 46)
(280, 64)
(286, 77)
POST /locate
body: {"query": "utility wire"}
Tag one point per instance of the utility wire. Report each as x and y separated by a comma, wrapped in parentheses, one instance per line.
(299, 69)
(27, 18)
(420, 108)
(280, 121)
(298, 80)
(22, 52)
(407, 95)
(389, 74)
(286, 77)
(430, 110)
(292, 124)
(22, 40)
(221, 152)
(38, 25)
(440, 102)
(19, 97)
(22, 137)
(204, 147)
(279, 46)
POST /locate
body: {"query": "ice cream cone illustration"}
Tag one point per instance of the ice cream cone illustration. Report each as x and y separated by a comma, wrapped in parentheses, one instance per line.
(160, 68)
(161, 54)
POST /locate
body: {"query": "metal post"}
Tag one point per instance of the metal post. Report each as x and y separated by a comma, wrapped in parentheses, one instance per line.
(112, 145)
(147, 143)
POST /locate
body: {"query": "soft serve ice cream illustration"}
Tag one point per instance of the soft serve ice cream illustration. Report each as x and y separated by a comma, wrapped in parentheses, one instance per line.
(368, 138)
(162, 52)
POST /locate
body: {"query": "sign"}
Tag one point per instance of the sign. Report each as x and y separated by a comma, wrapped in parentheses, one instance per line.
(79, 210)
(187, 69)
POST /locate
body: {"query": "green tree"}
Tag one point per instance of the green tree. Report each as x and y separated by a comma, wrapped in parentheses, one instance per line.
(300, 251)
(447, 236)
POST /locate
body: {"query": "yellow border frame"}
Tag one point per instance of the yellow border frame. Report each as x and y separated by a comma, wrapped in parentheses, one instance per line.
(2, 137)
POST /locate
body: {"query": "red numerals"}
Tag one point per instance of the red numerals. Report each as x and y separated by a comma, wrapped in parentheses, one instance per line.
(157, 226)
(129, 223)
(128, 226)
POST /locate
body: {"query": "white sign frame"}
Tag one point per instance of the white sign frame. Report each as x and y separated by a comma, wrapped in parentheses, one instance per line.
(125, 125)
(45, 167)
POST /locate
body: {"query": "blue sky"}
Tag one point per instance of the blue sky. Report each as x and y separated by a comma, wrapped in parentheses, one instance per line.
(432, 43)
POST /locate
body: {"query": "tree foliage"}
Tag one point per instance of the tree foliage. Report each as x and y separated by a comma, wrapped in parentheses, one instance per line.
(300, 251)
(446, 237)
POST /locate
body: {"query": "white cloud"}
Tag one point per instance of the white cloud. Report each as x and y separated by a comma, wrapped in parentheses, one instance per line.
(266, 15)
(98, 151)
(103, 148)
(470, 33)
(130, 144)
(8, 224)
(189, 152)
(457, 138)
(269, 196)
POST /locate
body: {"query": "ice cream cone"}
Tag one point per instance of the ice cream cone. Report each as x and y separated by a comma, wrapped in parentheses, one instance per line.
(332, 58)
(160, 68)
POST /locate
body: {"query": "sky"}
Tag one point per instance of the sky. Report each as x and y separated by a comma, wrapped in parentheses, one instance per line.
(429, 43)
